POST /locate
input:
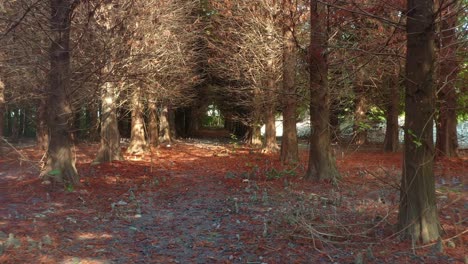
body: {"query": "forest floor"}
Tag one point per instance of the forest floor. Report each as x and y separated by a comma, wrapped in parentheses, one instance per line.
(198, 201)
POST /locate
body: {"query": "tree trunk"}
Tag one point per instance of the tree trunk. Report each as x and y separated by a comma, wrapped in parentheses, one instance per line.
(109, 149)
(94, 122)
(447, 141)
(138, 143)
(360, 118)
(172, 122)
(2, 114)
(335, 121)
(271, 145)
(153, 129)
(42, 133)
(24, 123)
(254, 136)
(391, 141)
(15, 126)
(164, 130)
(322, 165)
(194, 126)
(417, 218)
(60, 165)
(180, 122)
(289, 147)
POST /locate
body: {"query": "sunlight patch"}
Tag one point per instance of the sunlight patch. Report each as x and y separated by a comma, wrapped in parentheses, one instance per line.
(75, 260)
(111, 180)
(88, 236)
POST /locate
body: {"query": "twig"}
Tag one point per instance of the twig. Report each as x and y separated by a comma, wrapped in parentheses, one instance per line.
(22, 157)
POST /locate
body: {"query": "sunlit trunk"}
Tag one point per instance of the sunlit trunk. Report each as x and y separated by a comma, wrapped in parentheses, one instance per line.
(270, 145)
(417, 217)
(254, 136)
(109, 149)
(164, 129)
(153, 129)
(138, 143)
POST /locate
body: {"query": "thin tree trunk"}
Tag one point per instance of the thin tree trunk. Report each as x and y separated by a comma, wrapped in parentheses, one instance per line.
(14, 126)
(60, 165)
(335, 121)
(24, 123)
(42, 133)
(289, 147)
(391, 141)
(194, 126)
(2, 114)
(255, 133)
(172, 122)
(417, 217)
(447, 141)
(138, 143)
(109, 149)
(360, 118)
(271, 146)
(322, 164)
(254, 136)
(93, 122)
(153, 128)
(164, 130)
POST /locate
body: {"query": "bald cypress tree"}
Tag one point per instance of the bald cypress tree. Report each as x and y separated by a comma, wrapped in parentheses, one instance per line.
(418, 218)
(60, 165)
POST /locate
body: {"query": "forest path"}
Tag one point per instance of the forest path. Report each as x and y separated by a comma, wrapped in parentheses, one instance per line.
(203, 201)
(185, 203)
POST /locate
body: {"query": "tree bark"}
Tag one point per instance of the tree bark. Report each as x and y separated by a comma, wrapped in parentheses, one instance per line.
(418, 218)
(254, 136)
(153, 129)
(2, 114)
(138, 143)
(322, 164)
(93, 122)
(42, 133)
(271, 145)
(60, 165)
(447, 141)
(172, 122)
(164, 129)
(14, 125)
(391, 141)
(335, 132)
(360, 117)
(194, 125)
(109, 149)
(289, 147)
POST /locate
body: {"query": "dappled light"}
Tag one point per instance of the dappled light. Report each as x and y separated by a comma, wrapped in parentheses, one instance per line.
(233, 131)
(90, 236)
(188, 203)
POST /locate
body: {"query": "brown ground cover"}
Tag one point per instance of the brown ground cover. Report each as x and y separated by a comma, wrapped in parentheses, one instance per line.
(203, 202)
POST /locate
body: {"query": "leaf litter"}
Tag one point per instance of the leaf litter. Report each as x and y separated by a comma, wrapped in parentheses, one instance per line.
(209, 202)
